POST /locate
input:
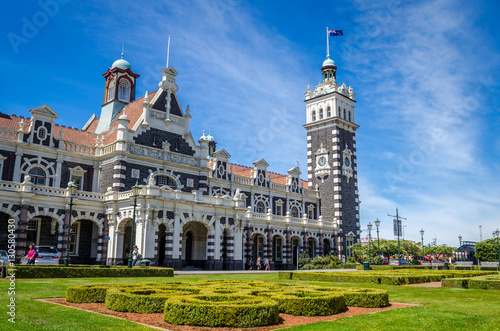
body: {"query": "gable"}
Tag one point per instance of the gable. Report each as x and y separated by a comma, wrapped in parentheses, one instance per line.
(261, 162)
(222, 153)
(44, 111)
(161, 102)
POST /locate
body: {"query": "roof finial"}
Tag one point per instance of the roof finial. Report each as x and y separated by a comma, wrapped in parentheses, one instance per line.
(168, 49)
(123, 47)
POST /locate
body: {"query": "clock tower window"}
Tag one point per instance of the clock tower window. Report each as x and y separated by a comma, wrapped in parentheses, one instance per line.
(328, 112)
(321, 114)
(314, 115)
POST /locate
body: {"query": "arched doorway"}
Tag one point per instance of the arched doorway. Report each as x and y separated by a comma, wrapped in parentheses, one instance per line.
(127, 232)
(194, 243)
(258, 250)
(277, 252)
(161, 244)
(42, 230)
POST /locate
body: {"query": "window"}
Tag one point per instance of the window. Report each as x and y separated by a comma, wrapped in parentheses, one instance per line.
(74, 238)
(32, 225)
(310, 212)
(260, 246)
(278, 248)
(42, 133)
(279, 209)
(294, 212)
(124, 90)
(165, 181)
(328, 112)
(344, 115)
(314, 115)
(349, 116)
(260, 208)
(37, 176)
(321, 114)
(111, 90)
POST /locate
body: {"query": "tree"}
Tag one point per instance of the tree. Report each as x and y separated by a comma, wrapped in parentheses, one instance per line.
(442, 251)
(485, 251)
(387, 248)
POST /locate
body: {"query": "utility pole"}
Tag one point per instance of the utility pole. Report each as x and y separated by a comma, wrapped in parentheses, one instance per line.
(397, 226)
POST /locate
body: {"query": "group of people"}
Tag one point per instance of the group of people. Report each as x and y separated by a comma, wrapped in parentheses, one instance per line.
(259, 264)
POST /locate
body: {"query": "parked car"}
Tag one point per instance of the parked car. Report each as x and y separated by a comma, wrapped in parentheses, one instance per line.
(4, 257)
(46, 255)
(396, 262)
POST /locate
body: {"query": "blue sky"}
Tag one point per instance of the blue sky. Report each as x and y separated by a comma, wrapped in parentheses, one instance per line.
(426, 75)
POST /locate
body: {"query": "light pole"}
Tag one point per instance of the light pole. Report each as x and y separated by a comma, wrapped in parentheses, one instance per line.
(369, 242)
(422, 235)
(460, 241)
(72, 191)
(377, 223)
(498, 244)
(136, 190)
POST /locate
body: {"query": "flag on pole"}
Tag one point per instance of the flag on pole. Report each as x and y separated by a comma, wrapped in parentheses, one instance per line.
(333, 33)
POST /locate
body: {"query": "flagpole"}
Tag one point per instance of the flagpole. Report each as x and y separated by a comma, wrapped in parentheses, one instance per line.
(168, 49)
(327, 44)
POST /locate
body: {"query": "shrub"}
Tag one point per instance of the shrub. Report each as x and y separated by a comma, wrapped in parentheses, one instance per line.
(90, 272)
(307, 303)
(221, 310)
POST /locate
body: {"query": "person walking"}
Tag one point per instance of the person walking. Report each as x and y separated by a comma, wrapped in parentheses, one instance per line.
(135, 255)
(267, 264)
(250, 264)
(258, 263)
(31, 255)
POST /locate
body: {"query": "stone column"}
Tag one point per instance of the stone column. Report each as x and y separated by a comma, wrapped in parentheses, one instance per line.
(21, 244)
(287, 261)
(248, 245)
(210, 263)
(321, 244)
(269, 247)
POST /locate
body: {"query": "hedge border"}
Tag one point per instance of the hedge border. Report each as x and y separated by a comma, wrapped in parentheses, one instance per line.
(91, 272)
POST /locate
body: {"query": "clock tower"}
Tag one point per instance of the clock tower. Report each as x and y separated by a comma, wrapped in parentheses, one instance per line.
(331, 153)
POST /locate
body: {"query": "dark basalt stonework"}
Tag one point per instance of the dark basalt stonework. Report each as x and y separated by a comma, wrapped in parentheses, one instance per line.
(161, 102)
(155, 138)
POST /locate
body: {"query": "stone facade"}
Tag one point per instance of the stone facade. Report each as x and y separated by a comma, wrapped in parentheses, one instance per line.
(195, 208)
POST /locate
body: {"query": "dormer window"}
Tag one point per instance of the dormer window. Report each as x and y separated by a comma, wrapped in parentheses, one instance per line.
(124, 90)
(111, 90)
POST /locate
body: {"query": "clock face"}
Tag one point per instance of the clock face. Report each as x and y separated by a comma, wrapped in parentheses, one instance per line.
(347, 162)
(322, 161)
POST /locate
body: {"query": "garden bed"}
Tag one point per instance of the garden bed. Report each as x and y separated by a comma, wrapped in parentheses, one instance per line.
(285, 320)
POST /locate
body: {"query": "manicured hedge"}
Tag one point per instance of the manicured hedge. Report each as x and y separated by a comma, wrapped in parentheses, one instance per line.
(389, 277)
(90, 272)
(241, 303)
(489, 282)
(221, 310)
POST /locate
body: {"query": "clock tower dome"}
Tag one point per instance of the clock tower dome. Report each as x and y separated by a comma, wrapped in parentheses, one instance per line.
(331, 154)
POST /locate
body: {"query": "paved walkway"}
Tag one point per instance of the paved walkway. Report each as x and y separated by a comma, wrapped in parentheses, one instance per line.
(222, 272)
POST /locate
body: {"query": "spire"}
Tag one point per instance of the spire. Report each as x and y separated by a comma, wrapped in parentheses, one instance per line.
(123, 47)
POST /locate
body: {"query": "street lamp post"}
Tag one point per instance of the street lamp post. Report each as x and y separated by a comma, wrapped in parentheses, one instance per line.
(498, 244)
(136, 190)
(422, 235)
(460, 241)
(72, 191)
(377, 223)
(369, 242)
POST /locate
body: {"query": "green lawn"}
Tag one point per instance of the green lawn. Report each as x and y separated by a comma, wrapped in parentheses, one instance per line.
(443, 309)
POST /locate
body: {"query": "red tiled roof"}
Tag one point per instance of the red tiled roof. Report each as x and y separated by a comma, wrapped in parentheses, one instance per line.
(11, 122)
(133, 111)
(246, 172)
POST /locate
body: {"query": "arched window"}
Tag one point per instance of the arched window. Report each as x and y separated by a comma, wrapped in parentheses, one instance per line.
(124, 90)
(314, 115)
(349, 115)
(165, 181)
(294, 212)
(37, 176)
(328, 112)
(339, 112)
(321, 114)
(344, 114)
(111, 90)
(260, 208)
